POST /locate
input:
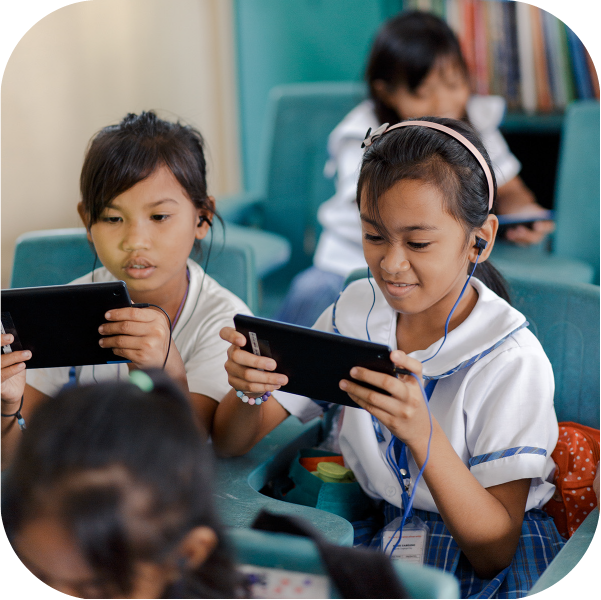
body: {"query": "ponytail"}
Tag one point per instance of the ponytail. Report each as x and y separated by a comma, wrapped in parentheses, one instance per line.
(492, 279)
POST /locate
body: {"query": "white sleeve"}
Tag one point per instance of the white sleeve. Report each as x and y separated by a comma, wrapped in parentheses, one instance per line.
(48, 381)
(511, 426)
(303, 407)
(205, 364)
(505, 165)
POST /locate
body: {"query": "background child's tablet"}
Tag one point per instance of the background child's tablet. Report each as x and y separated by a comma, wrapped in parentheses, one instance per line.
(59, 323)
(314, 361)
(515, 219)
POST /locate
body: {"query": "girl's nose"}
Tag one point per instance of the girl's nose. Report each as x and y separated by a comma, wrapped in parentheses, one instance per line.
(395, 262)
(135, 238)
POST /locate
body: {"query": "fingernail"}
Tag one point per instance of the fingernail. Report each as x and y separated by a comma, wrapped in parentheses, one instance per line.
(10, 338)
(396, 355)
(271, 365)
(27, 354)
(101, 329)
(101, 341)
(281, 380)
(353, 372)
(343, 384)
(107, 315)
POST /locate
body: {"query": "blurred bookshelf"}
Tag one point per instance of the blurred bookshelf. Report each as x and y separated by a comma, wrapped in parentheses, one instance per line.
(534, 61)
(520, 52)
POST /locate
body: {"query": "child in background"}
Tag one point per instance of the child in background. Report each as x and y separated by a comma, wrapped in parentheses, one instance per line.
(110, 495)
(145, 205)
(425, 194)
(415, 69)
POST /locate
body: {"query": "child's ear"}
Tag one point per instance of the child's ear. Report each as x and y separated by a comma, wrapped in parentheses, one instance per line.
(205, 218)
(487, 233)
(85, 220)
(197, 546)
(382, 90)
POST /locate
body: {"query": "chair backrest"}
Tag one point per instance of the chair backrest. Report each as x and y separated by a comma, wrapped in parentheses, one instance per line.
(565, 319)
(57, 256)
(298, 554)
(577, 187)
(300, 119)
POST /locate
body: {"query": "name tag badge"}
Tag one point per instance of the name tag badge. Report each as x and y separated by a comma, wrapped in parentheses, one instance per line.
(413, 544)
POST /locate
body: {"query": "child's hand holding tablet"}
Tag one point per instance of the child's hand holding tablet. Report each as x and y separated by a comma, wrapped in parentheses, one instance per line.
(309, 363)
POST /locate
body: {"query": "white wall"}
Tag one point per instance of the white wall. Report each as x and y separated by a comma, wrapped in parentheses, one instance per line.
(87, 65)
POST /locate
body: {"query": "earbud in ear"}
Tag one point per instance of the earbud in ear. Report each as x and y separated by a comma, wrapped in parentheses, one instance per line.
(481, 245)
(203, 218)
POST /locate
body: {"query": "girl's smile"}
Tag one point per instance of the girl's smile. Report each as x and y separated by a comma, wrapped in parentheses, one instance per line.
(420, 262)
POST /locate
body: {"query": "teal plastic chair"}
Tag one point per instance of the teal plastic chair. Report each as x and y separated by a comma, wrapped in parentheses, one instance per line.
(294, 153)
(574, 253)
(293, 553)
(57, 256)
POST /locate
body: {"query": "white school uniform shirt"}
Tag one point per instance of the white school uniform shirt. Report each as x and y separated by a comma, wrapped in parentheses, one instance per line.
(497, 411)
(339, 249)
(196, 336)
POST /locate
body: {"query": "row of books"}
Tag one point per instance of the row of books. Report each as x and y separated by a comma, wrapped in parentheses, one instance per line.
(518, 51)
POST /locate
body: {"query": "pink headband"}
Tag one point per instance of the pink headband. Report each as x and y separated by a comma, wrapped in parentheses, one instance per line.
(370, 138)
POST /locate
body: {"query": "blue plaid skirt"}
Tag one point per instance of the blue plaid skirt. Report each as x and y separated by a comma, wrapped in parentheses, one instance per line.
(539, 543)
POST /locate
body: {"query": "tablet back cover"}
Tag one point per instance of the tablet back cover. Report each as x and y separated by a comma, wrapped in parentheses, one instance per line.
(59, 323)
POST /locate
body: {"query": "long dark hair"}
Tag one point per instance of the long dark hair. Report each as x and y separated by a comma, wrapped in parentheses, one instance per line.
(128, 474)
(415, 152)
(405, 50)
(119, 156)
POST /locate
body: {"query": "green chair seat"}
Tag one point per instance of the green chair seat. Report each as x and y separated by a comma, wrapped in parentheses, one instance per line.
(531, 263)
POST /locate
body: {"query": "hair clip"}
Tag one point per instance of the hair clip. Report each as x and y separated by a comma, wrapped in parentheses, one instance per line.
(142, 380)
(370, 139)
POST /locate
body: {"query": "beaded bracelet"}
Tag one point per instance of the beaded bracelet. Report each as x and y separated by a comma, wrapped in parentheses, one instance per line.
(20, 419)
(252, 401)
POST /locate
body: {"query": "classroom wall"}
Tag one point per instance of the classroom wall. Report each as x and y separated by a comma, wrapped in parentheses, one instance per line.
(291, 41)
(88, 64)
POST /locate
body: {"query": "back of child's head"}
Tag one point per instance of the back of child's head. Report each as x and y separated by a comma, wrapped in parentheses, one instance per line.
(119, 156)
(127, 474)
(405, 50)
(426, 154)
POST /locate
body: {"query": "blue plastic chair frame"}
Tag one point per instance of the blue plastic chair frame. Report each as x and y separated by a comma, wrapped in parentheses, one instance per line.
(57, 256)
(293, 155)
(575, 244)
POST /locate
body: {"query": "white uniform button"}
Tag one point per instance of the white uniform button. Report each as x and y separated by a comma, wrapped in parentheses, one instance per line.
(390, 491)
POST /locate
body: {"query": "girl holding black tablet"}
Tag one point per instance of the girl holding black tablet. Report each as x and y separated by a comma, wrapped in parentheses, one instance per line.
(145, 205)
(463, 445)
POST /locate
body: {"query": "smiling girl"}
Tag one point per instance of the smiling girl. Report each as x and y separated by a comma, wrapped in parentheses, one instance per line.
(145, 205)
(425, 193)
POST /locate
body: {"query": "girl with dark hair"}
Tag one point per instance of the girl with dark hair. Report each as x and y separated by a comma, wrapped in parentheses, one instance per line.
(96, 508)
(145, 205)
(415, 69)
(472, 448)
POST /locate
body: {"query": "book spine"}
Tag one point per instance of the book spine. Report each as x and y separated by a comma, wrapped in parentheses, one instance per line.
(552, 49)
(526, 57)
(584, 88)
(480, 48)
(543, 91)
(512, 52)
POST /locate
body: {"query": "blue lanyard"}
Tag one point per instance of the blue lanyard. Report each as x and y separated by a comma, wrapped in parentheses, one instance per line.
(396, 456)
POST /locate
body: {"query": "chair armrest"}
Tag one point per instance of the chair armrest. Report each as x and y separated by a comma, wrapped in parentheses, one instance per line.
(238, 480)
(242, 208)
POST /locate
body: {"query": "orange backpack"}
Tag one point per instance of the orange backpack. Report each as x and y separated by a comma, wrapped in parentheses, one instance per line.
(576, 456)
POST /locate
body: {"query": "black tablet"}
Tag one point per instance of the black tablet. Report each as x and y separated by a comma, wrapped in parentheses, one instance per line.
(314, 361)
(59, 323)
(515, 219)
